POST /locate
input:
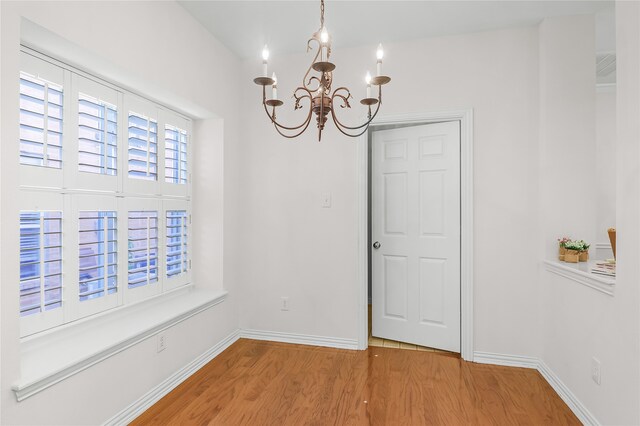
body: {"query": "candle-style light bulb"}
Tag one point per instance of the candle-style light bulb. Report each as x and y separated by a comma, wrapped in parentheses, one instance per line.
(324, 39)
(265, 57)
(324, 36)
(368, 80)
(380, 52)
(274, 87)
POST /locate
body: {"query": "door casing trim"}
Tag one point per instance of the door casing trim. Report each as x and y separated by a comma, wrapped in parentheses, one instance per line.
(466, 219)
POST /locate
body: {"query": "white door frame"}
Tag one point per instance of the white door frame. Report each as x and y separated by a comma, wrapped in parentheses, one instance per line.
(466, 219)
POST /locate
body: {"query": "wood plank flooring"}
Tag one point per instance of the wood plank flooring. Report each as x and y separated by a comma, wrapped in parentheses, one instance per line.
(266, 383)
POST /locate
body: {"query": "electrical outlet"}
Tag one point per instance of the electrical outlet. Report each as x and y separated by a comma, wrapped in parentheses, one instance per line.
(596, 370)
(162, 342)
(284, 303)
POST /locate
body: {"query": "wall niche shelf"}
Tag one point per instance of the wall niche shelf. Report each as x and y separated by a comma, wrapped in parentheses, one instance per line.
(579, 272)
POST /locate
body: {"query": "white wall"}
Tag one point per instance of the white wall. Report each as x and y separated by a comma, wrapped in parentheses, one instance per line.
(567, 130)
(577, 322)
(605, 164)
(297, 249)
(165, 30)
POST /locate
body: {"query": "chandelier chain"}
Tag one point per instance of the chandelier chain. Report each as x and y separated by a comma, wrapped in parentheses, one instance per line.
(321, 13)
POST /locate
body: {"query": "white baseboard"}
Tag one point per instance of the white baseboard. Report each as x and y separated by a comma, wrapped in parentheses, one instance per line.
(583, 414)
(506, 360)
(138, 407)
(300, 339)
(578, 408)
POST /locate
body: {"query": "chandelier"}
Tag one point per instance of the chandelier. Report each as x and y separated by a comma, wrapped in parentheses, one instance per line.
(316, 90)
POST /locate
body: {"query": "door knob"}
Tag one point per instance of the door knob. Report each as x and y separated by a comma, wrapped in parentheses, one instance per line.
(376, 245)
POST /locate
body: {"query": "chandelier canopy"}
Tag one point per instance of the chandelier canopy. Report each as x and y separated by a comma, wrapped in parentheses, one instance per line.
(316, 90)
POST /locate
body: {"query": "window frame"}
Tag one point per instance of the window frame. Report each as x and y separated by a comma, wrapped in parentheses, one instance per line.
(70, 191)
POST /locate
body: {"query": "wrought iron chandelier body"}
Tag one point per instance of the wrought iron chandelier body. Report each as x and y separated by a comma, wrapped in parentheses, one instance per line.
(317, 90)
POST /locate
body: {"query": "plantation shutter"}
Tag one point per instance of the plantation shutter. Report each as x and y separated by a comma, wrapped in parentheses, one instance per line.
(143, 147)
(40, 122)
(40, 261)
(176, 242)
(175, 153)
(143, 248)
(97, 135)
(98, 254)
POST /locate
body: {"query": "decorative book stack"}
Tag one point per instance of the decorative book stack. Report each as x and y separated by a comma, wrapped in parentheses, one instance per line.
(604, 268)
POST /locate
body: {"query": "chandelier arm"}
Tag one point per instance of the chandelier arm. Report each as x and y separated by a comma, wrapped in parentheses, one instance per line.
(295, 135)
(304, 124)
(366, 124)
(342, 88)
(308, 94)
(306, 83)
(354, 135)
(345, 104)
(345, 98)
(340, 126)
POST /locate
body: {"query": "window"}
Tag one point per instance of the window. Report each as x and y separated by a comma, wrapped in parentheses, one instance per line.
(97, 136)
(40, 261)
(143, 147)
(143, 248)
(175, 154)
(40, 122)
(176, 242)
(85, 258)
(98, 254)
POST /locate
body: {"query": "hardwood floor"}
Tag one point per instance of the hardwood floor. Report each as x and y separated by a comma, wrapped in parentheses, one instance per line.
(265, 383)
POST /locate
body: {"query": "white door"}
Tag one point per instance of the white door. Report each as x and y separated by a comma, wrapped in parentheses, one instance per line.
(416, 229)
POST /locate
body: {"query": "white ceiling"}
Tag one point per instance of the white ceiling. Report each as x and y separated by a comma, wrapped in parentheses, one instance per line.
(245, 26)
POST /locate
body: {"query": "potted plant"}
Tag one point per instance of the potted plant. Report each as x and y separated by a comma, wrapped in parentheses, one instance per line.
(562, 250)
(576, 251)
(572, 254)
(584, 252)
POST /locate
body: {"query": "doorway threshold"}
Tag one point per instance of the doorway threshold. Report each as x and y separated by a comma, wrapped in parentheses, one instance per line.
(386, 343)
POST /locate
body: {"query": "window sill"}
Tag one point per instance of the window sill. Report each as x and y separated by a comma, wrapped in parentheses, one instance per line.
(579, 272)
(52, 357)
